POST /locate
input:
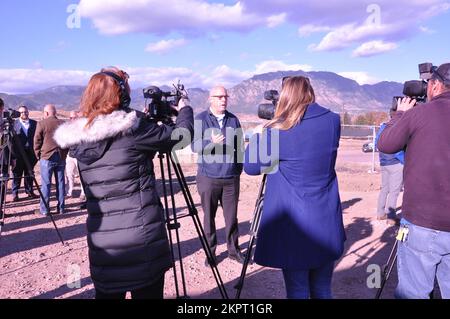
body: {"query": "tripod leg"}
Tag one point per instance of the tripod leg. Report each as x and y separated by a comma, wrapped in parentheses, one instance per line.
(170, 226)
(177, 233)
(253, 233)
(2, 205)
(19, 147)
(388, 269)
(198, 226)
(240, 285)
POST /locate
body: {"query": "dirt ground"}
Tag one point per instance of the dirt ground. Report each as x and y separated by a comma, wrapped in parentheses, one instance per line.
(34, 263)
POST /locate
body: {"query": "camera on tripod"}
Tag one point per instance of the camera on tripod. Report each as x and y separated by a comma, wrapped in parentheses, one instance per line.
(10, 114)
(160, 105)
(417, 89)
(7, 120)
(266, 111)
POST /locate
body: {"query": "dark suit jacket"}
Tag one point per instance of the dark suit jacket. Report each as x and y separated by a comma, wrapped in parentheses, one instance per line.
(26, 140)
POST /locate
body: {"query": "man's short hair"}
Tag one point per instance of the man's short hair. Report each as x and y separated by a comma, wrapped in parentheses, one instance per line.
(2, 104)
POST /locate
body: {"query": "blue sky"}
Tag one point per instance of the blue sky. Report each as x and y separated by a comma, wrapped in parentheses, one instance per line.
(205, 42)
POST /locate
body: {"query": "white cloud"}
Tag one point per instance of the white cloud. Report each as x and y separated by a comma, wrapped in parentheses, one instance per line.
(16, 81)
(373, 48)
(307, 30)
(164, 46)
(276, 20)
(276, 65)
(360, 77)
(350, 22)
(225, 76)
(347, 22)
(31, 80)
(164, 16)
(346, 35)
(426, 30)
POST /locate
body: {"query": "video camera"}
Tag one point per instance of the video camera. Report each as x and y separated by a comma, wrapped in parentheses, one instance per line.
(10, 114)
(417, 89)
(266, 111)
(160, 105)
(7, 119)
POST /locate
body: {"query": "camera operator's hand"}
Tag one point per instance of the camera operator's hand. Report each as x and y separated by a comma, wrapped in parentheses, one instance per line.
(183, 103)
(405, 104)
(217, 138)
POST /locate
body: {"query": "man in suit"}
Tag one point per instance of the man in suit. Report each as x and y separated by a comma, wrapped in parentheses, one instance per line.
(219, 170)
(25, 128)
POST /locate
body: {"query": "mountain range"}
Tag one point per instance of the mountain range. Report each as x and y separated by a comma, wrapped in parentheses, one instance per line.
(332, 91)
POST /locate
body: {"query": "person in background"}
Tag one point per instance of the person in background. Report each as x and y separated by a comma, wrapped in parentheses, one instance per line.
(391, 180)
(72, 167)
(25, 129)
(51, 157)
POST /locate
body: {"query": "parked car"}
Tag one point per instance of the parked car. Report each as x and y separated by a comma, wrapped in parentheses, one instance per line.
(368, 147)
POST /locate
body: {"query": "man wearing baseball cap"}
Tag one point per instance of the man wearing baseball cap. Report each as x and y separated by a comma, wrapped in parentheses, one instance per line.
(424, 237)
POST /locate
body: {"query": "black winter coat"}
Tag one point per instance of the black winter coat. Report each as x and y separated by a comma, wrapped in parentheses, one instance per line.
(127, 238)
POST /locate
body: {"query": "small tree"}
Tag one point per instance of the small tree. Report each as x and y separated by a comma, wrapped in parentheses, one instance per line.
(346, 119)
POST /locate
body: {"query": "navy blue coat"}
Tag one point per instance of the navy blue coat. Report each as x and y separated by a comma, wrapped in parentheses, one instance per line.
(301, 224)
(227, 162)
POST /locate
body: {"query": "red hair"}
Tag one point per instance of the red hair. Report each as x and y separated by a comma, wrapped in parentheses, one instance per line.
(102, 95)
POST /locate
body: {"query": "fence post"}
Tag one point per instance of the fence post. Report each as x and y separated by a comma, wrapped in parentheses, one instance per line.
(373, 149)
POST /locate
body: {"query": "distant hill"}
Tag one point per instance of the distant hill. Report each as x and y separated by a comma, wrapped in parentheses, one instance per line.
(332, 90)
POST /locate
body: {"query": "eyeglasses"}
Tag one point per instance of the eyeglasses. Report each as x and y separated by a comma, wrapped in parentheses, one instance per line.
(221, 96)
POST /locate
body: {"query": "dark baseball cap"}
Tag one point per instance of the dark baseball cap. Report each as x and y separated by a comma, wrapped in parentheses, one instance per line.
(442, 74)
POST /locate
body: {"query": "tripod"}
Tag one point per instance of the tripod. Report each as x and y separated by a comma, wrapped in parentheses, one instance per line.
(173, 225)
(387, 270)
(253, 234)
(9, 138)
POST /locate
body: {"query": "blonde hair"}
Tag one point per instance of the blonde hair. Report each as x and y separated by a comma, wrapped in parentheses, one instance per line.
(296, 94)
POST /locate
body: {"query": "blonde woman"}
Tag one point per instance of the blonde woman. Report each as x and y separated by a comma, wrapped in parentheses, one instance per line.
(301, 230)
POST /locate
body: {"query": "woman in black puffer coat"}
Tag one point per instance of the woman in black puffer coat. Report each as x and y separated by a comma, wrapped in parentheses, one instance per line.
(115, 146)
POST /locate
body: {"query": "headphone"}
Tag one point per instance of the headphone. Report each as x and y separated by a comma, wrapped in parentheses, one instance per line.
(125, 98)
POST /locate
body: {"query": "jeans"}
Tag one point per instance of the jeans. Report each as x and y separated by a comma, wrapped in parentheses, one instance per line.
(423, 256)
(54, 165)
(311, 283)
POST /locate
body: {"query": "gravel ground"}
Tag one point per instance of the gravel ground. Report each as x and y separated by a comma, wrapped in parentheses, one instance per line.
(34, 263)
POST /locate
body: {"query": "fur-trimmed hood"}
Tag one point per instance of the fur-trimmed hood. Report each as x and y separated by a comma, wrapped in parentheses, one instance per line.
(103, 127)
